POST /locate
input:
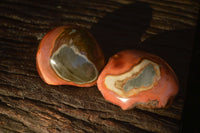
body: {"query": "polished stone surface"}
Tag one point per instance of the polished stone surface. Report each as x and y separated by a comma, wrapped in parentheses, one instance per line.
(72, 66)
(145, 78)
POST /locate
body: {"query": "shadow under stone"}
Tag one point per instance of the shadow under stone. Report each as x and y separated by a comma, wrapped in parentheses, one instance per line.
(123, 28)
(175, 47)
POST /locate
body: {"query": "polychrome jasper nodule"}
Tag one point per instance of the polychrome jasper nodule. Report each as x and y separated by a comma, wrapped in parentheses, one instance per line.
(135, 78)
(69, 55)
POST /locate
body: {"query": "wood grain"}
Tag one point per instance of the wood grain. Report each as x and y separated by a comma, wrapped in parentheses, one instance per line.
(27, 104)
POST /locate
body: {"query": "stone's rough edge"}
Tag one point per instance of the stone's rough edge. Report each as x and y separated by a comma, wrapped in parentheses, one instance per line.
(17, 77)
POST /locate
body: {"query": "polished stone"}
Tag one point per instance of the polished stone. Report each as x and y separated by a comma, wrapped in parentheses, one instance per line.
(72, 66)
(145, 78)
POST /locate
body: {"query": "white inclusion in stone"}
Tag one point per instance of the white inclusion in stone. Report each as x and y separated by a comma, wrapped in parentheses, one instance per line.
(123, 99)
(80, 60)
(52, 61)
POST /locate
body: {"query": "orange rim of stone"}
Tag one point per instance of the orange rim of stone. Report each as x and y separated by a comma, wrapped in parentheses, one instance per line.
(44, 53)
(156, 95)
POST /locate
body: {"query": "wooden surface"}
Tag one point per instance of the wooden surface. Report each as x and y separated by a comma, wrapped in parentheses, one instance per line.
(27, 104)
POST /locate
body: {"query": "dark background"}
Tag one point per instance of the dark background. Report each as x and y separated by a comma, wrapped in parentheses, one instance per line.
(191, 110)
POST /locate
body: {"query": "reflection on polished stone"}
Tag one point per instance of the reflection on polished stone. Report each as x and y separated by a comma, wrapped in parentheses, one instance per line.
(69, 55)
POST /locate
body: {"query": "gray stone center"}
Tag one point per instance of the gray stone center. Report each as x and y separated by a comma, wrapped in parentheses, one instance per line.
(71, 66)
(145, 78)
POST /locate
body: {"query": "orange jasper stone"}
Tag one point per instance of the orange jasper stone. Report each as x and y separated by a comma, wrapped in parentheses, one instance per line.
(135, 78)
(69, 55)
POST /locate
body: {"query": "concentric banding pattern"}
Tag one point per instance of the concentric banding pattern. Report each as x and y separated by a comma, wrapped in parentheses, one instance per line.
(71, 56)
(140, 77)
(72, 66)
